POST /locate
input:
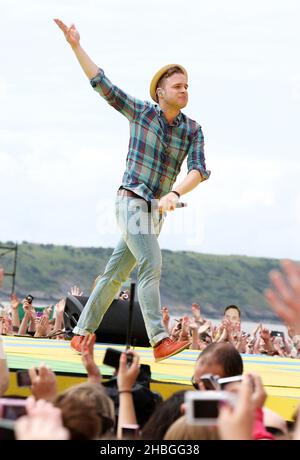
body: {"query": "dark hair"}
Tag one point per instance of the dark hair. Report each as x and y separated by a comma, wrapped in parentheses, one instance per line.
(226, 355)
(171, 71)
(234, 307)
(162, 418)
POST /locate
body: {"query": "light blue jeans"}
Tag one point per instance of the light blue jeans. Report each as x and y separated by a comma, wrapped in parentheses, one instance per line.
(139, 245)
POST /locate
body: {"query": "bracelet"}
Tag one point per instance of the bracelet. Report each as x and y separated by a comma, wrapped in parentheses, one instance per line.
(176, 193)
(124, 391)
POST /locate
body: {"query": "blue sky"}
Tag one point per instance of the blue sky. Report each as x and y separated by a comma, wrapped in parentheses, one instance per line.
(63, 150)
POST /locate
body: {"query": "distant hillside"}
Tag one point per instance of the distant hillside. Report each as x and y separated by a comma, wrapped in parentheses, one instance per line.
(47, 271)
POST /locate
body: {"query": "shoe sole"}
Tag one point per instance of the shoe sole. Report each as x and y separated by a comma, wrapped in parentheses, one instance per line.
(172, 354)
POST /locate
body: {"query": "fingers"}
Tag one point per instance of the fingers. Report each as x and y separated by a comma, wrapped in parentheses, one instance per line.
(280, 285)
(61, 25)
(33, 374)
(278, 306)
(292, 271)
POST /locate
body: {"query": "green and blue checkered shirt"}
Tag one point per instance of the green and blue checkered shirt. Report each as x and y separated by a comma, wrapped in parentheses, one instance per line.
(157, 149)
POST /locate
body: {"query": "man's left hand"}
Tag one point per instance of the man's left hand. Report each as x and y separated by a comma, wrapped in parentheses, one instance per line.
(168, 202)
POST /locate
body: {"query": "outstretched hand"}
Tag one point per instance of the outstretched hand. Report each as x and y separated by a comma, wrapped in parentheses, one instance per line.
(88, 360)
(71, 33)
(284, 297)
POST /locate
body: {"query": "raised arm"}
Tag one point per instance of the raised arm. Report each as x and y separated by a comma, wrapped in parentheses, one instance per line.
(73, 38)
(121, 101)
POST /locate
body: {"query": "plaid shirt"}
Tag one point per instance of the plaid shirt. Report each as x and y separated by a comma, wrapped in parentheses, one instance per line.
(157, 149)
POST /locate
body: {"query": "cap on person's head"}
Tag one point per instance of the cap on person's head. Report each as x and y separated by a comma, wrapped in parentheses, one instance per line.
(159, 74)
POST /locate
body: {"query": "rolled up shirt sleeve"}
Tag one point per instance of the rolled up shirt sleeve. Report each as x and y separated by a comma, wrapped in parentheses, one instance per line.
(196, 158)
(125, 104)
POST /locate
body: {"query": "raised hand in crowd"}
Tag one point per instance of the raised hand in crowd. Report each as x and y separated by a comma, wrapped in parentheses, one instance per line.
(195, 345)
(42, 422)
(284, 297)
(221, 333)
(279, 346)
(28, 311)
(14, 301)
(59, 318)
(176, 329)
(258, 395)
(266, 337)
(166, 318)
(14, 305)
(75, 290)
(88, 360)
(185, 329)
(196, 312)
(241, 342)
(126, 378)
(48, 311)
(42, 327)
(236, 422)
(43, 383)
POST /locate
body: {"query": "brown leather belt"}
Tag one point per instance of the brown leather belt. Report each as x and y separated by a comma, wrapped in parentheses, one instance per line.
(125, 192)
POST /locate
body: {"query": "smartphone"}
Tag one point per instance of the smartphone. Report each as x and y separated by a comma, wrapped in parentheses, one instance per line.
(11, 409)
(277, 334)
(23, 378)
(226, 380)
(112, 358)
(130, 431)
(210, 382)
(202, 407)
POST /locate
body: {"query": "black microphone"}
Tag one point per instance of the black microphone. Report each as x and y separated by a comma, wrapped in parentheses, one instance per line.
(179, 204)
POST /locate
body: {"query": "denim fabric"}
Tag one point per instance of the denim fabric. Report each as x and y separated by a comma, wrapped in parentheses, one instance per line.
(139, 245)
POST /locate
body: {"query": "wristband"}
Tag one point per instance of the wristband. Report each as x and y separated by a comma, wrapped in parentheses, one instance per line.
(176, 193)
(125, 391)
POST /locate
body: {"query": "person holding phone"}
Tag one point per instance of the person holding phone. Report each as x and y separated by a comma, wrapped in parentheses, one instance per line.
(161, 138)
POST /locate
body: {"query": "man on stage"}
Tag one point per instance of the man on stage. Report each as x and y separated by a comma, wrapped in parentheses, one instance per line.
(161, 137)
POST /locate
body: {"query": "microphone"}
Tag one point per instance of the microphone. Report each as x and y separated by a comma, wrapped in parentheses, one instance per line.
(179, 204)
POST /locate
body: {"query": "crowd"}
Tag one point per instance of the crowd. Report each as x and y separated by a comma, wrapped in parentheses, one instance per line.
(90, 411)
(22, 318)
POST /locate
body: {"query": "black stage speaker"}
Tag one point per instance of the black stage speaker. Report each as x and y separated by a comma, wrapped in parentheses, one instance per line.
(113, 327)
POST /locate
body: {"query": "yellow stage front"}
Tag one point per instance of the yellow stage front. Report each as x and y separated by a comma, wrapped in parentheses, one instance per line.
(281, 376)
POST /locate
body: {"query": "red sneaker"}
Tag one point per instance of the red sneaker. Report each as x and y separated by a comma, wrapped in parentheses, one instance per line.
(167, 347)
(76, 342)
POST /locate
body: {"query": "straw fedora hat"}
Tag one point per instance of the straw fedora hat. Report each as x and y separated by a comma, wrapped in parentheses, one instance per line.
(158, 75)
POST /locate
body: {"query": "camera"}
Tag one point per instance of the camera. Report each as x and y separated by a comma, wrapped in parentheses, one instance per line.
(277, 334)
(112, 358)
(11, 409)
(202, 407)
(210, 381)
(130, 431)
(226, 380)
(23, 378)
(29, 298)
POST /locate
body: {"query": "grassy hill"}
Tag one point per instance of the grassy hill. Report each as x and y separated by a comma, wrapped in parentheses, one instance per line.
(47, 272)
